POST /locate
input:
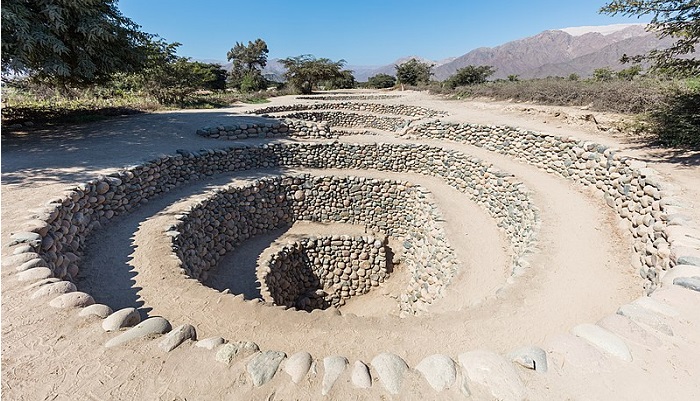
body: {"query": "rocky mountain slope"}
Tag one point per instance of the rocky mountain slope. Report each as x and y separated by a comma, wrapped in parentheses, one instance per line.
(559, 52)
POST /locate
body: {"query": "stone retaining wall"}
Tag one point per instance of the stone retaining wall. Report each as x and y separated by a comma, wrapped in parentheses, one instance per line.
(230, 216)
(349, 97)
(287, 127)
(350, 120)
(58, 233)
(634, 191)
(318, 272)
(395, 109)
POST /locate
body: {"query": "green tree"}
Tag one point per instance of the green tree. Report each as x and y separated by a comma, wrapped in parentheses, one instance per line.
(69, 42)
(573, 77)
(248, 63)
(218, 83)
(677, 121)
(678, 19)
(381, 81)
(250, 57)
(170, 79)
(470, 75)
(604, 74)
(513, 78)
(252, 82)
(413, 72)
(345, 81)
(630, 73)
(306, 71)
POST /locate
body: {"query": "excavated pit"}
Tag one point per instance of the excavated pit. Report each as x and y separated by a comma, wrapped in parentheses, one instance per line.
(321, 272)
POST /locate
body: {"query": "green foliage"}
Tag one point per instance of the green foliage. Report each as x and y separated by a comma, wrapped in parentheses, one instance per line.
(413, 72)
(630, 73)
(69, 42)
(218, 81)
(679, 19)
(248, 62)
(253, 81)
(471, 75)
(677, 121)
(345, 81)
(30, 101)
(573, 77)
(381, 81)
(513, 78)
(250, 57)
(604, 74)
(306, 71)
(171, 79)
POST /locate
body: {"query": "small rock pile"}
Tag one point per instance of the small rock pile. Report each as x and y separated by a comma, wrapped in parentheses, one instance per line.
(318, 272)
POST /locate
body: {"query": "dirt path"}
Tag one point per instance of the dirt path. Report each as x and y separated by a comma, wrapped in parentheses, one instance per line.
(582, 261)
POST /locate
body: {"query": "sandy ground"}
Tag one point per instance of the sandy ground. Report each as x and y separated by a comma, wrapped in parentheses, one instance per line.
(579, 273)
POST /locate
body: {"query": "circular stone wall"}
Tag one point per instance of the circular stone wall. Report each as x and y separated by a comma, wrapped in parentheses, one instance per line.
(316, 273)
(231, 215)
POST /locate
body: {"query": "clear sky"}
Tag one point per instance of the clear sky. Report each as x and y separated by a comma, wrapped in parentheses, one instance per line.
(363, 32)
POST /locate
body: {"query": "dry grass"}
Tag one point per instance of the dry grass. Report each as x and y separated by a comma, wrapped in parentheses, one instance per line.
(619, 96)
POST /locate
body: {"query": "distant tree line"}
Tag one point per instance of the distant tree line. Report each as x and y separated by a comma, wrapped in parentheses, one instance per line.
(67, 46)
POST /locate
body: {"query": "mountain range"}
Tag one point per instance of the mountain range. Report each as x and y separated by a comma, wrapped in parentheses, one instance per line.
(559, 52)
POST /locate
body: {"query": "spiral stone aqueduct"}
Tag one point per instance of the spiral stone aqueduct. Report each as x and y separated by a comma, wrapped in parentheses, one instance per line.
(350, 246)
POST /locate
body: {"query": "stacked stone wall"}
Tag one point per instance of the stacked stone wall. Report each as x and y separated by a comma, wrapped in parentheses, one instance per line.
(349, 97)
(61, 229)
(635, 192)
(318, 272)
(230, 216)
(285, 128)
(350, 120)
(395, 109)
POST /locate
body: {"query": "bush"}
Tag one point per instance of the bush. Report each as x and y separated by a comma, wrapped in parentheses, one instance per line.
(253, 82)
(413, 72)
(677, 121)
(472, 75)
(345, 81)
(306, 71)
(637, 96)
(381, 81)
(603, 74)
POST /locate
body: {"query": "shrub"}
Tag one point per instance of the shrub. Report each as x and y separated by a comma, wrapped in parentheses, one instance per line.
(381, 81)
(603, 74)
(413, 72)
(471, 75)
(677, 121)
(345, 81)
(253, 81)
(638, 96)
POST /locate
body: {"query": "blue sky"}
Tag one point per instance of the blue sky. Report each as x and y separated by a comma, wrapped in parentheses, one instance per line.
(362, 32)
